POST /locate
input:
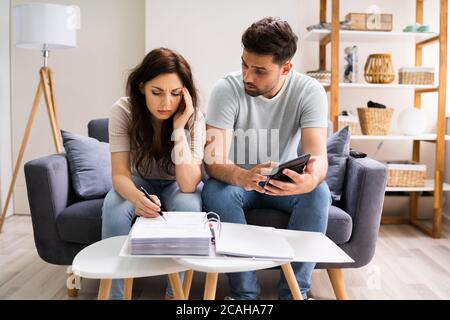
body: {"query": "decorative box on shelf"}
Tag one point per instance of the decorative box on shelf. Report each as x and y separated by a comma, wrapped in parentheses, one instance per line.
(369, 21)
(374, 121)
(406, 174)
(416, 75)
(349, 120)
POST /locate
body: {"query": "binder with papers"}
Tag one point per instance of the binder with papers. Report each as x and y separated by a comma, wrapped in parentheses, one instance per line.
(182, 233)
(202, 234)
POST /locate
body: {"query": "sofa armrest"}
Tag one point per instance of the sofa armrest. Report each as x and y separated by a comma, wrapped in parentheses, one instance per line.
(49, 191)
(363, 198)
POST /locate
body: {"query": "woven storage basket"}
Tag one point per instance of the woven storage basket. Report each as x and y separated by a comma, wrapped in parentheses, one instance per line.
(421, 76)
(352, 122)
(323, 76)
(374, 121)
(406, 174)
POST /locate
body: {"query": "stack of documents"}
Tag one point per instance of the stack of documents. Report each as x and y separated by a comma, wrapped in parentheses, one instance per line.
(182, 233)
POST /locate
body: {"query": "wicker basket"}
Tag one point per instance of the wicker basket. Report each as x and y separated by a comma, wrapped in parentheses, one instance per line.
(374, 121)
(406, 174)
(323, 76)
(352, 122)
(379, 69)
(418, 75)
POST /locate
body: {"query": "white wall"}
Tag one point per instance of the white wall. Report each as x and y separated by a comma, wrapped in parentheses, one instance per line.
(88, 79)
(208, 34)
(5, 105)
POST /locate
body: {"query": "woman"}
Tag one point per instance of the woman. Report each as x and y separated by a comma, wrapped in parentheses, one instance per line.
(156, 137)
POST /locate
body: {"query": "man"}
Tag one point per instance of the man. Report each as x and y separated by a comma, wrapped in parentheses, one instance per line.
(267, 95)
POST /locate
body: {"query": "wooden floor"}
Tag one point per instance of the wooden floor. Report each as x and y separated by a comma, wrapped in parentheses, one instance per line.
(407, 265)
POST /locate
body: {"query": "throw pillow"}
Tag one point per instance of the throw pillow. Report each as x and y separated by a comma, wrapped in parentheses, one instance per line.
(338, 146)
(89, 165)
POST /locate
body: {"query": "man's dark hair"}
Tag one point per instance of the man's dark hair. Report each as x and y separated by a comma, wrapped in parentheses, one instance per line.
(271, 36)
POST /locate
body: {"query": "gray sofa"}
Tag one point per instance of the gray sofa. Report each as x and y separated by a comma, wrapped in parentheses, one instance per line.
(63, 225)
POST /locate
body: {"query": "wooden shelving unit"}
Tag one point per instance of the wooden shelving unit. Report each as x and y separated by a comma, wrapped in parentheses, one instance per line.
(429, 137)
(371, 36)
(334, 37)
(429, 186)
(384, 86)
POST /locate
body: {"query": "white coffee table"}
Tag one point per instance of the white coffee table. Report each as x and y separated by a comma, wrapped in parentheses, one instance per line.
(101, 260)
(307, 246)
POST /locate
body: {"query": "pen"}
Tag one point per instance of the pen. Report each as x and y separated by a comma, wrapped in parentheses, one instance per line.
(148, 197)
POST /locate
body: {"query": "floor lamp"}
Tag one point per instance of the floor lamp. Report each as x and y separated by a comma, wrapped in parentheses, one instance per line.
(43, 27)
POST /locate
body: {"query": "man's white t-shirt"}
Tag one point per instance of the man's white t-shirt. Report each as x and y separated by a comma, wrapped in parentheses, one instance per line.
(267, 129)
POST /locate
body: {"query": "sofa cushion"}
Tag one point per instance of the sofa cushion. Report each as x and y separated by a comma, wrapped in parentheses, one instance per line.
(89, 165)
(98, 129)
(81, 222)
(339, 227)
(338, 147)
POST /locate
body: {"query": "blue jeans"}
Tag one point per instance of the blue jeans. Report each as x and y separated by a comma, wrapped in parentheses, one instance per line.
(308, 212)
(118, 213)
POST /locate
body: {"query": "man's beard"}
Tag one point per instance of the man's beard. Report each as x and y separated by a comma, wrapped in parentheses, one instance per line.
(255, 92)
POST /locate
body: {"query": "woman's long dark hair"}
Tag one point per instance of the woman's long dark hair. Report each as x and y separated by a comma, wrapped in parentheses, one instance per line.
(158, 61)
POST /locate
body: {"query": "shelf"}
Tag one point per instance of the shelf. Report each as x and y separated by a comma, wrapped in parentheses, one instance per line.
(429, 186)
(408, 41)
(382, 86)
(422, 137)
(371, 36)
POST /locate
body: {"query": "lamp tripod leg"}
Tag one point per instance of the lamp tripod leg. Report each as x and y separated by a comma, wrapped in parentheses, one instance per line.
(49, 99)
(22, 150)
(52, 90)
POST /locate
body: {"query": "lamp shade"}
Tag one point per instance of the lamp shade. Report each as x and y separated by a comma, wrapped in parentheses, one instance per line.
(45, 26)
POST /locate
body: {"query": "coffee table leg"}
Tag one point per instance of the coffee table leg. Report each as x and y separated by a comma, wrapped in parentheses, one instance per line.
(104, 289)
(187, 283)
(175, 283)
(128, 289)
(292, 281)
(210, 286)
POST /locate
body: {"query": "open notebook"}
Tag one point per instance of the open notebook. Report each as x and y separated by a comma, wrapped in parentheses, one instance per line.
(202, 234)
(252, 241)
